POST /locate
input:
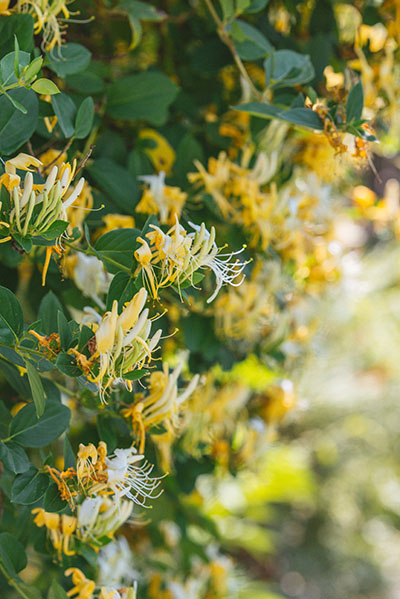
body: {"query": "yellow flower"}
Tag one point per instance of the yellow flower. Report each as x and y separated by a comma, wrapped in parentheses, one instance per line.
(83, 587)
(47, 15)
(160, 199)
(158, 150)
(60, 529)
(177, 255)
(24, 218)
(115, 221)
(123, 343)
(161, 405)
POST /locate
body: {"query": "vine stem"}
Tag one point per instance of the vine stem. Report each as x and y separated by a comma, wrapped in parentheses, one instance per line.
(12, 582)
(224, 36)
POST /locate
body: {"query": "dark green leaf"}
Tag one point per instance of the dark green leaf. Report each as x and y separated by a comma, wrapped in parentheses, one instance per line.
(48, 313)
(67, 365)
(52, 501)
(119, 246)
(36, 388)
(55, 230)
(64, 331)
(12, 554)
(355, 103)
(135, 375)
(84, 118)
(145, 96)
(16, 128)
(69, 59)
(29, 487)
(11, 316)
(122, 288)
(7, 67)
(14, 457)
(250, 43)
(29, 431)
(65, 111)
(117, 182)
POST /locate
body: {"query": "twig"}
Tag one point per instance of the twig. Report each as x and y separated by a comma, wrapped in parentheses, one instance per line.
(224, 36)
(85, 159)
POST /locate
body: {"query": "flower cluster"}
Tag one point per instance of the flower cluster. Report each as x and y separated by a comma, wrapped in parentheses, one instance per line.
(32, 209)
(174, 257)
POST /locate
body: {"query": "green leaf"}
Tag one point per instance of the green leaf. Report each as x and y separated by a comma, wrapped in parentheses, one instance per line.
(145, 96)
(56, 591)
(285, 68)
(14, 457)
(64, 331)
(29, 487)
(30, 72)
(24, 242)
(48, 313)
(117, 182)
(20, 26)
(69, 59)
(12, 554)
(250, 43)
(69, 456)
(136, 374)
(136, 12)
(189, 150)
(45, 86)
(55, 230)
(256, 6)
(67, 365)
(303, 117)
(36, 388)
(122, 288)
(15, 127)
(65, 111)
(11, 316)
(52, 501)
(355, 103)
(7, 67)
(84, 118)
(29, 431)
(228, 9)
(118, 245)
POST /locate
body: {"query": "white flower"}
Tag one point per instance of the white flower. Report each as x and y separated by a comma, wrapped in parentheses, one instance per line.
(126, 479)
(91, 278)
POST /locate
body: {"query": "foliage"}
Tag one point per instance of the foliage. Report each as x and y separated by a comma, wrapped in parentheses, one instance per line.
(151, 310)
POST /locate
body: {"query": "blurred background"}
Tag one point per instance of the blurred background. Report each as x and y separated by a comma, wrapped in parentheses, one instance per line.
(319, 519)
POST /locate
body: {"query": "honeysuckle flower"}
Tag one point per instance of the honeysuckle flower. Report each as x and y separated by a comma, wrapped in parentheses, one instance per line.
(59, 527)
(173, 258)
(116, 564)
(113, 593)
(161, 405)
(89, 276)
(119, 475)
(48, 17)
(165, 201)
(123, 343)
(34, 208)
(83, 587)
(99, 516)
(161, 154)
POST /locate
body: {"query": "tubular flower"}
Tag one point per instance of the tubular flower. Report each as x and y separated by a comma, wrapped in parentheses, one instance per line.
(60, 529)
(46, 16)
(173, 258)
(123, 343)
(165, 201)
(117, 475)
(35, 208)
(99, 517)
(112, 593)
(83, 587)
(162, 405)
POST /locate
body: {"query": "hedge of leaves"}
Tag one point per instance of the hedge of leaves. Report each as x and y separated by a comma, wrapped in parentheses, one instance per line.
(172, 173)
